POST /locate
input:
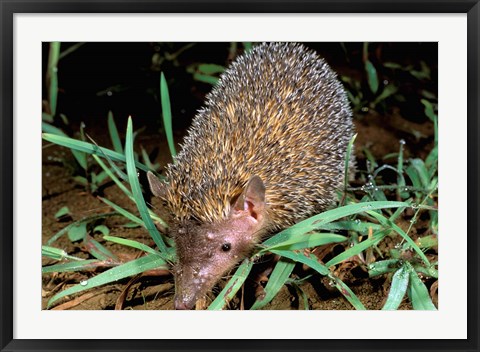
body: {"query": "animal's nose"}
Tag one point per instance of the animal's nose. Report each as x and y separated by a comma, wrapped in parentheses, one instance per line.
(182, 304)
(179, 305)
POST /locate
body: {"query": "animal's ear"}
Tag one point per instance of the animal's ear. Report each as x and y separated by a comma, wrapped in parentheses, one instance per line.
(252, 198)
(156, 186)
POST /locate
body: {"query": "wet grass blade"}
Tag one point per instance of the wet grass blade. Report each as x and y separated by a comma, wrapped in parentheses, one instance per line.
(98, 250)
(320, 220)
(348, 293)
(418, 292)
(120, 272)
(309, 260)
(358, 248)
(88, 148)
(398, 288)
(308, 241)
(131, 243)
(137, 192)
(422, 172)
(167, 114)
(383, 267)
(277, 279)
(82, 265)
(114, 136)
(57, 254)
(389, 224)
(232, 287)
(427, 241)
(79, 156)
(352, 225)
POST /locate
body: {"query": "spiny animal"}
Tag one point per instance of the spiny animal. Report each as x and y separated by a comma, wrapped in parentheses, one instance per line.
(266, 151)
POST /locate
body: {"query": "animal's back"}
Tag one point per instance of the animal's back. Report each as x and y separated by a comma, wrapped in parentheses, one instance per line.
(278, 112)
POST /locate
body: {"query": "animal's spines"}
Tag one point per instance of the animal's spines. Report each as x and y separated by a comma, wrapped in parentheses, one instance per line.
(278, 112)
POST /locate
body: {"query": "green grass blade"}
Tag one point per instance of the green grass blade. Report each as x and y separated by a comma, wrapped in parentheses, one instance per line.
(247, 46)
(76, 223)
(418, 293)
(431, 163)
(308, 241)
(77, 232)
(57, 254)
(131, 243)
(352, 225)
(277, 279)
(413, 175)
(211, 69)
(123, 212)
(70, 50)
(301, 293)
(47, 117)
(387, 91)
(79, 156)
(358, 248)
(88, 148)
(422, 172)
(137, 192)
(205, 78)
(62, 213)
(427, 241)
(98, 250)
(348, 293)
(429, 112)
(320, 220)
(126, 190)
(383, 267)
(347, 161)
(398, 289)
(167, 114)
(48, 128)
(389, 224)
(400, 177)
(82, 265)
(233, 285)
(114, 136)
(52, 77)
(429, 272)
(120, 272)
(372, 76)
(146, 160)
(113, 177)
(309, 260)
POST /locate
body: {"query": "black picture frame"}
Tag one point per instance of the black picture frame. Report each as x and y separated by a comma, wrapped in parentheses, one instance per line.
(9, 7)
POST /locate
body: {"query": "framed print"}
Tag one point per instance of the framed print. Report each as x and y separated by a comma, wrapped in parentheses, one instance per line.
(276, 175)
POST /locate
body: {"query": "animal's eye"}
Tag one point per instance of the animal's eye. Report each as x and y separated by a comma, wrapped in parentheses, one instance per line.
(226, 247)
